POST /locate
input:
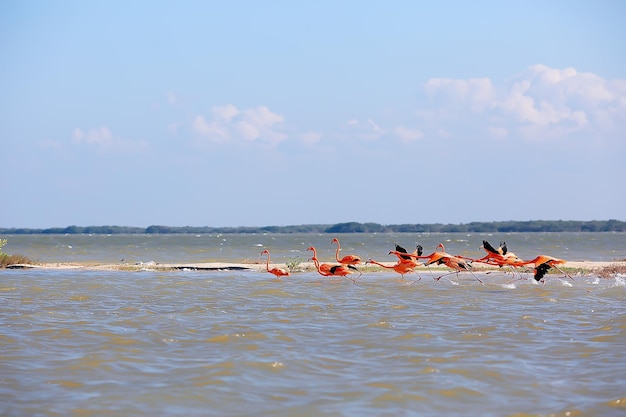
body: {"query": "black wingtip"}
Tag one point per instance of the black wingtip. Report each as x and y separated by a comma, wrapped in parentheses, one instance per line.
(488, 247)
(402, 250)
(541, 271)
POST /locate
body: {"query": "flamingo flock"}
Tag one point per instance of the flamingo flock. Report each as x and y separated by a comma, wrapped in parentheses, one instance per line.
(407, 262)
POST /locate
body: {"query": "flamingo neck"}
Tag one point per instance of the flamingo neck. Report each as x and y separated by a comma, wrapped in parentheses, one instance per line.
(379, 264)
(267, 263)
(337, 251)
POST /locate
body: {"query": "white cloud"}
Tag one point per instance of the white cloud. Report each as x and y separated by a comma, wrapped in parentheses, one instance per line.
(310, 138)
(262, 116)
(173, 128)
(368, 130)
(101, 136)
(407, 135)
(225, 113)
(547, 75)
(217, 132)
(540, 102)
(247, 130)
(172, 98)
(498, 132)
(50, 144)
(612, 116)
(175, 99)
(103, 139)
(229, 124)
(374, 126)
(443, 133)
(476, 93)
(541, 110)
(568, 85)
(200, 126)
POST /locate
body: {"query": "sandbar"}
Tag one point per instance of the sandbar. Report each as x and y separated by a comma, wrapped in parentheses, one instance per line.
(580, 267)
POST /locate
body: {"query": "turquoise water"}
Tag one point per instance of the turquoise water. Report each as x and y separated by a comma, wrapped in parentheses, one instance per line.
(223, 343)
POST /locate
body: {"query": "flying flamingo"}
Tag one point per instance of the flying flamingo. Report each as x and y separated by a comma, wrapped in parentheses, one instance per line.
(403, 266)
(328, 270)
(401, 253)
(493, 254)
(278, 272)
(346, 260)
(543, 263)
(458, 263)
(500, 256)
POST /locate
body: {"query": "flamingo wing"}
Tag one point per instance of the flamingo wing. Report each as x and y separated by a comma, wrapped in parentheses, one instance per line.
(541, 271)
(336, 269)
(402, 250)
(350, 260)
(489, 248)
(461, 264)
(279, 272)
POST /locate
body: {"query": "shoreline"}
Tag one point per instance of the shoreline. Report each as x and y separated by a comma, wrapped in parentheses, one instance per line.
(583, 267)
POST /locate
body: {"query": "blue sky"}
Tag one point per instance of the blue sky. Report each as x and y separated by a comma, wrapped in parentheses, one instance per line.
(251, 113)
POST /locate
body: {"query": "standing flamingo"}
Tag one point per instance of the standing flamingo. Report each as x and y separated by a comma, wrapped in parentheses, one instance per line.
(329, 270)
(324, 267)
(346, 260)
(278, 272)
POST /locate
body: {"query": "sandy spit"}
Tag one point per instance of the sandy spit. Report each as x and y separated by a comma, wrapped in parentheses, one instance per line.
(585, 267)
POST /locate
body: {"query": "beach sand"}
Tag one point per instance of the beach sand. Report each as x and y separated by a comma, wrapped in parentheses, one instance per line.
(579, 267)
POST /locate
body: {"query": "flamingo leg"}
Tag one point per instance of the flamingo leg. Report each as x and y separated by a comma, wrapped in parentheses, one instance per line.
(354, 279)
(517, 279)
(445, 275)
(457, 273)
(418, 279)
(568, 275)
(478, 279)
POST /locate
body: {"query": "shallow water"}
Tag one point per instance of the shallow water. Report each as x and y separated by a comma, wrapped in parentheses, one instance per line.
(99, 343)
(182, 248)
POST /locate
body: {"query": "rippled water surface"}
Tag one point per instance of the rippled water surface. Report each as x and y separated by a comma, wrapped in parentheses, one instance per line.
(239, 247)
(98, 343)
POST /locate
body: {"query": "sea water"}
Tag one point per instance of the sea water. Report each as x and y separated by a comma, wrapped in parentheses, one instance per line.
(224, 343)
(181, 248)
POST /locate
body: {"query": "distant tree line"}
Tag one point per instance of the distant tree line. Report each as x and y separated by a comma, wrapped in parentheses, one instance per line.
(350, 227)
(484, 227)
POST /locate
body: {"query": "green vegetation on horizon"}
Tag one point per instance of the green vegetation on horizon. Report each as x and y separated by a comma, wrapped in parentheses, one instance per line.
(350, 227)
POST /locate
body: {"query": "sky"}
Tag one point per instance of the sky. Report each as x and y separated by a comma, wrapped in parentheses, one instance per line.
(273, 113)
